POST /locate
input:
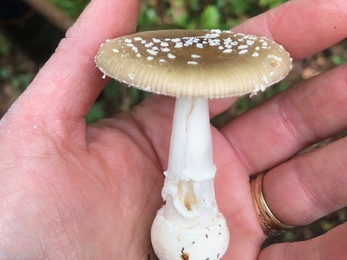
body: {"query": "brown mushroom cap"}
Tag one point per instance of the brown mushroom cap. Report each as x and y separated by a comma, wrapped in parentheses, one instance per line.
(201, 63)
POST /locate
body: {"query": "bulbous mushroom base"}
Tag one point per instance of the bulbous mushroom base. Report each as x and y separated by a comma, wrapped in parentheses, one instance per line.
(173, 242)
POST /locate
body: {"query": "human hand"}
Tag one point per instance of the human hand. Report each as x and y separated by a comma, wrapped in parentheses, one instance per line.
(72, 191)
(299, 189)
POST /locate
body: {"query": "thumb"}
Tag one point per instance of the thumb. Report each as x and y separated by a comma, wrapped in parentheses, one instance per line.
(68, 84)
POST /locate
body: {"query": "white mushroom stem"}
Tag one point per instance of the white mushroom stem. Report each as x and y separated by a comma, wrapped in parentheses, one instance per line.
(190, 173)
(190, 224)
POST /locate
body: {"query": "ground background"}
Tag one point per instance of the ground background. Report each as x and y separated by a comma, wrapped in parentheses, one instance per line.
(19, 64)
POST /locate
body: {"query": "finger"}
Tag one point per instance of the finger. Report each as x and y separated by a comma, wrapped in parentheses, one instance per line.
(304, 114)
(308, 186)
(69, 83)
(302, 27)
(331, 245)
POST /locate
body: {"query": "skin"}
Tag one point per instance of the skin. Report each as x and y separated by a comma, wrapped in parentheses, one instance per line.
(71, 191)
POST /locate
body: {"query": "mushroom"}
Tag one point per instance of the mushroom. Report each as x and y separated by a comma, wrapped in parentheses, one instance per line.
(192, 66)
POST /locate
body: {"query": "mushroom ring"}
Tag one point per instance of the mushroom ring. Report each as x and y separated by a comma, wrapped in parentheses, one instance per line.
(270, 224)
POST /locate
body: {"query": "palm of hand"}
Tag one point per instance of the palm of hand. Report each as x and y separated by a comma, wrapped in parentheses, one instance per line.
(93, 192)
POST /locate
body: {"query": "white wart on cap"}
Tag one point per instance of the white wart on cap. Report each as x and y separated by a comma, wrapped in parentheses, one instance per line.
(199, 64)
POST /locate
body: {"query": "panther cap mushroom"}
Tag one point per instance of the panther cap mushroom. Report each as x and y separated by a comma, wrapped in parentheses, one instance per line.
(192, 66)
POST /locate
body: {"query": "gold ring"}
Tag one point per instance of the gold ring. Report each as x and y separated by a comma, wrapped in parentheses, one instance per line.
(270, 224)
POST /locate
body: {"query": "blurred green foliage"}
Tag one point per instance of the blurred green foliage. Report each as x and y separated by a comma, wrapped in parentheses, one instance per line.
(340, 58)
(4, 46)
(191, 14)
(195, 14)
(72, 8)
(19, 76)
